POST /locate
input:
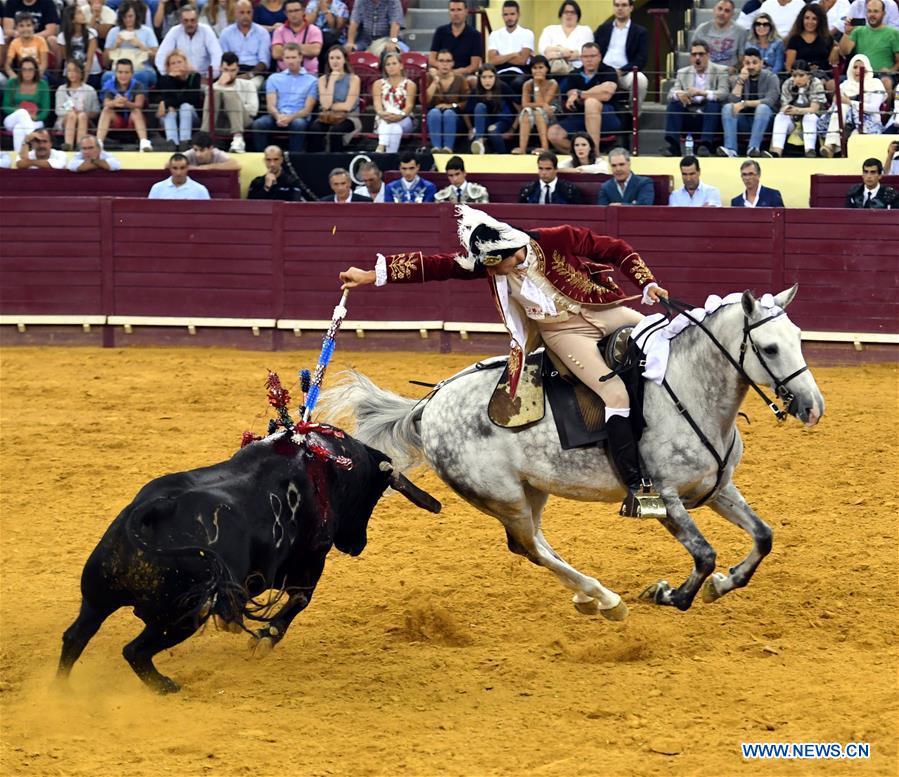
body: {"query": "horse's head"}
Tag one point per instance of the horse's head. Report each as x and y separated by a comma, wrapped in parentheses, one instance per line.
(774, 357)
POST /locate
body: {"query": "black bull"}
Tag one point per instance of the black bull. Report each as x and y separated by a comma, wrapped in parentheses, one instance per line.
(206, 542)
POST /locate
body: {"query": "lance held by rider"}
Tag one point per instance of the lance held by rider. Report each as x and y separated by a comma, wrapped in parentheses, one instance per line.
(551, 285)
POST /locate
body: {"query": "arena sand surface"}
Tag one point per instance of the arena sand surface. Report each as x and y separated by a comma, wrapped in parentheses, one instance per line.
(437, 652)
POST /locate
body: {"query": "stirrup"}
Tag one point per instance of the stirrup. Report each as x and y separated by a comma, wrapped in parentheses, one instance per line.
(644, 503)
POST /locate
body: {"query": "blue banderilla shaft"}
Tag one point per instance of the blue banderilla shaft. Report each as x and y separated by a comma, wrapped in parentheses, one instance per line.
(328, 344)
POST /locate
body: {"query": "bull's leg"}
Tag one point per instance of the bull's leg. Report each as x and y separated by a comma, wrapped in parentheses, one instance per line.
(153, 639)
(680, 524)
(263, 640)
(730, 504)
(76, 637)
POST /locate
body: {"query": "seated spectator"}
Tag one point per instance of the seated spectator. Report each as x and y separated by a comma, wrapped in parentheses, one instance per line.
(561, 43)
(269, 14)
(371, 20)
(836, 11)
(410, 187)
(871, 193)
(203, 155)
(539, 100)
(583, 156)
(801, 99)
(91, 158)
(858, 10)
(850, 105)
(131, 40)
(5, 161)
(810, 41)
(2, 58)
(624, 46)
(460, 190)
(549, 189)
(279, 182)
(394, 97)
(290, 98)
(219, 15)
(783, 13)
(236, 102)
(341, 190)
(102, 20)
(26, 44)
(624, 187)
(753, 101)
(77, 41)
(755, 195)
(763, 37)
(45, 23)
(250, 42)
(695, 101)
(372, 182)
(724, 39)
(877, 41)
(446, 96)
(490, 108)
(26, 101)
(306, 36)
(197, 41)
(180, 95)
(166, 15)
(590, 101)
(510, 49)
(123, 98)
(459, 38)
(179, 185)
(331, 17)
(338, 103)
(76, 106)
(37, 152)
(694, 193)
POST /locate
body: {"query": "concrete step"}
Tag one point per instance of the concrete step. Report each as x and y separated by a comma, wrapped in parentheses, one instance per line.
(702, 15)
(433, 5)
(426, 18)
(419, 39)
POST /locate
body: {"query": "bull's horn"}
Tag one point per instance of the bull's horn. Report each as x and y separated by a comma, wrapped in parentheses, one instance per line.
(385, 466)
(413, 493)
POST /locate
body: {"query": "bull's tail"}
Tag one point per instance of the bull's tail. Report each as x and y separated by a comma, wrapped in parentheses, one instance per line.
(382, 419)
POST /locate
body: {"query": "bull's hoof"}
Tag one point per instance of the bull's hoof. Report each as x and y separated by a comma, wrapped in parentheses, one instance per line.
(616, 613)
(710, 591)
(165, 685)
(260, 647)
(230, 626)
(657, 593)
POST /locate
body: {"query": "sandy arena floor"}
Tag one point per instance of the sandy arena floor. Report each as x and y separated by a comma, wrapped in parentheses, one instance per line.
(437, 652)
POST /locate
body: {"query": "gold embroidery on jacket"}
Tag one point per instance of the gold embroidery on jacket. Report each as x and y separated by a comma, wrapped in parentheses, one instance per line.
(578, 280)
(639, 270)
(404, 266)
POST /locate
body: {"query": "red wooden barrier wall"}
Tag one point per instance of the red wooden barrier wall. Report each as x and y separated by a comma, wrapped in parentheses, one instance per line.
(280, 260)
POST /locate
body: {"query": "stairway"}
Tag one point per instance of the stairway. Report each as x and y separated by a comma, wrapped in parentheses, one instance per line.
(422, 20)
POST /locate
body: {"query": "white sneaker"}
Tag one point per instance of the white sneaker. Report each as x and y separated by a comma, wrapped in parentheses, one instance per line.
(146, 145)
(477, 146)
(238, 146)
(728, 152)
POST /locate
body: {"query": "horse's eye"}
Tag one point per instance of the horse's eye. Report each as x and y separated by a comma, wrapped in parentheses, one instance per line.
(770, 350)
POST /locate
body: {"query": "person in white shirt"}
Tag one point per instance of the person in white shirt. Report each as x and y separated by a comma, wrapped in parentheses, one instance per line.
(694, 193)
(92, 158)
(37, 153)
(625, 45)
(5, 161)
(196, 40)
(561, 43)
(2, 58)
(510, 49)
(783, 13)
(837, 11)
(179, 186)
(372, 182)
(236, 102)
(857, 10)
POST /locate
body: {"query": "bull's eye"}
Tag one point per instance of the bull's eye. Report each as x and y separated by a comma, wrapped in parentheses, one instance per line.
(770, 350)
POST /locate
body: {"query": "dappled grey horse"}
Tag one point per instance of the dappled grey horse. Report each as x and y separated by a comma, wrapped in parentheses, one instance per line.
(690, 446)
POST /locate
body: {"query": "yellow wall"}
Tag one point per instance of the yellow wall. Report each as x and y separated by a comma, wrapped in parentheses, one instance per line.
(537, 14)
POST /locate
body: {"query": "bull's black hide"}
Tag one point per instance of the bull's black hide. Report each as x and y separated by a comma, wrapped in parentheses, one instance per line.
(204, 542)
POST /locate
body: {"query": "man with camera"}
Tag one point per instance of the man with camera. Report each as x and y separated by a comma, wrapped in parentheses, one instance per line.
(877, 41)
(37, 152)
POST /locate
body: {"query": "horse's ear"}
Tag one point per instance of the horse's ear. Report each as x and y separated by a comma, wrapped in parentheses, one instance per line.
(786, 296)
(748, 302)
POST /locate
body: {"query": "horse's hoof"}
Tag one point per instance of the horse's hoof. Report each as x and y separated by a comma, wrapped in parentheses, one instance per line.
(655, 593)
(710, 592)
(616, 613)
(260, 647)
(587, 606)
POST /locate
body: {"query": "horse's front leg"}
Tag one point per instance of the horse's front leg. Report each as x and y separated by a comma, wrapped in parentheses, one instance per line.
(680, 524)
(729, 503)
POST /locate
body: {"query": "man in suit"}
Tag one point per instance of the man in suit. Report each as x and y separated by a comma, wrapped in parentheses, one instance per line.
(411, 187)
(695, 101)
(549, 189)
(624, 46)
(871, 193)
(339, 179)
(460, 189)
(625, 188)
(755, 195)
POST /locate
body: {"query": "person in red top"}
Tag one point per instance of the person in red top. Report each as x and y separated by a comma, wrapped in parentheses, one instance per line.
(551, 284)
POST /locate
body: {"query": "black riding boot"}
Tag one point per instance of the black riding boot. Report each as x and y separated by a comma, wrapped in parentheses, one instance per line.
(641, 500)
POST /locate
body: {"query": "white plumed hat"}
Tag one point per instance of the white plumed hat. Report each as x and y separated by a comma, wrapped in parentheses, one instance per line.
(487, 240)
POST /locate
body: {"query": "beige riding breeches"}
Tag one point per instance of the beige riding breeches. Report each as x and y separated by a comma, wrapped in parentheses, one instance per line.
(574, 342)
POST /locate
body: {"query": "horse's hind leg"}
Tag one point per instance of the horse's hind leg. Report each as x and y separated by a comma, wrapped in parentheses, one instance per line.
(76, 637)
(729, 503)
(680, 524)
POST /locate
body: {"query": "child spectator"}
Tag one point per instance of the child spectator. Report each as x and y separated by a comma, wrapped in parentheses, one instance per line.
(394, 98)
(26, 101)
(490, 106)
(763, 36)
(801, 99)
(338, 101)
(78, 41)
(76, 106)
(539, 100)
(180, 96)
(124, 98)
(26, 44)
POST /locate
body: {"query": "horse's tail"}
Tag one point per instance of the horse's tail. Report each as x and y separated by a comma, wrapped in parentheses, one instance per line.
(382, 419)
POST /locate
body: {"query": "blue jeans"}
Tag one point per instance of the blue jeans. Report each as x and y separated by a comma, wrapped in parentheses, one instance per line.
(755, 123)
(493, 130)
(442, 125)
(146, 76)
(678, 121)
(179, 125)
(265, 124)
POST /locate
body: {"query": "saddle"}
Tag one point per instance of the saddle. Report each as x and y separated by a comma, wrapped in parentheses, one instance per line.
(578, 412)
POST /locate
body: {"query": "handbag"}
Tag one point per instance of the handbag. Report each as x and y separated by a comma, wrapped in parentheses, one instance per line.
(137, 56)
(332, 117)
